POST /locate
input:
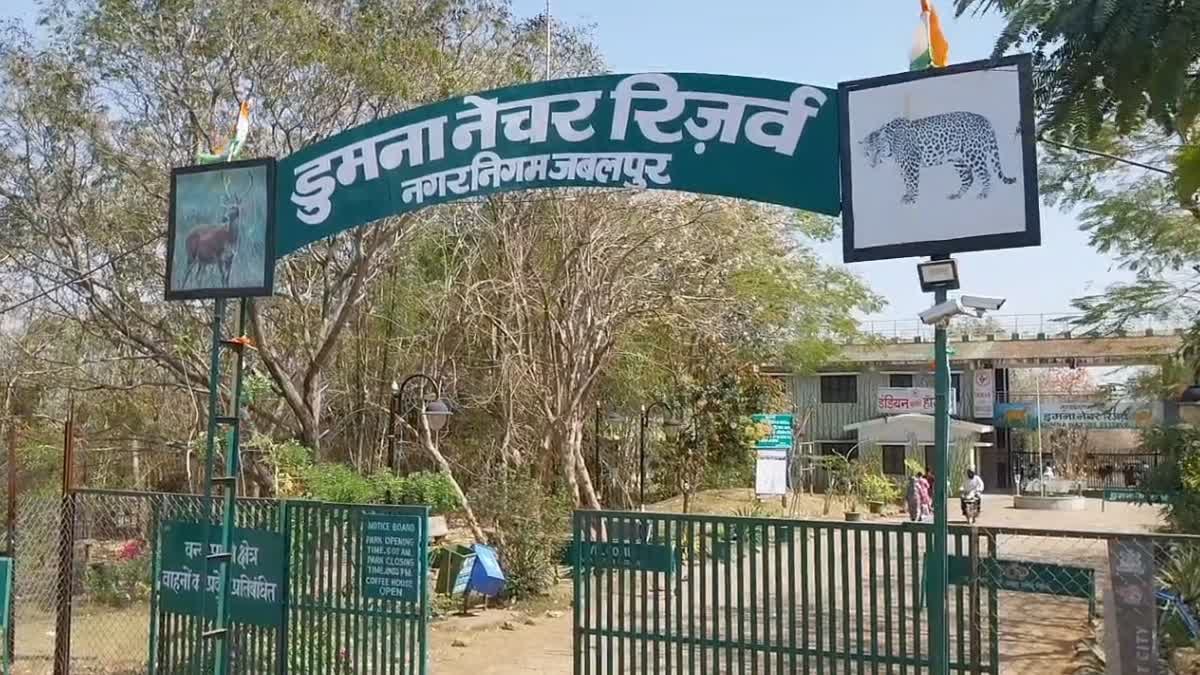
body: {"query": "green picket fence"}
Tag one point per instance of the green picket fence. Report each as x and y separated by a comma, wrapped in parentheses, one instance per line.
(330, 617)
(668, 593)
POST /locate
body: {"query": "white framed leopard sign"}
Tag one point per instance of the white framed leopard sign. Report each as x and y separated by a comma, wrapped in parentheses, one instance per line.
(939, 161)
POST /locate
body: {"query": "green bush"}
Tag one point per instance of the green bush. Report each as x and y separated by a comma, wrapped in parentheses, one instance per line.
(119, 583)
(338, 483)
(1177, 474)
(530, 527)
(878, 488)
(729, 475)
(421, 488)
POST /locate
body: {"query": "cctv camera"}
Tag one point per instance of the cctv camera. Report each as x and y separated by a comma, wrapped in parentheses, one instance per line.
(943, 311)
(981, 303)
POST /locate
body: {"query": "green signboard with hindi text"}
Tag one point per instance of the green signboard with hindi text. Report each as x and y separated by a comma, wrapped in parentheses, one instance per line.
(1134, 496)
(745, 137)
(256, 584)
(780, 438)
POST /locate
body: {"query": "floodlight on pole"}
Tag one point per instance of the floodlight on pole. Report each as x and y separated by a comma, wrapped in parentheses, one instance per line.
(938, 275)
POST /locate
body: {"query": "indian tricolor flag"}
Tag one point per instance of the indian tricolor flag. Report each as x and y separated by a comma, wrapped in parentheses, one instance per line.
(930, 49)
(229, 152)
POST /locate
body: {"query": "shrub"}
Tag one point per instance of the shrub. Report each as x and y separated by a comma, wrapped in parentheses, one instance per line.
(421, 488)
(530, 527)
(338, 483)
(122, 582)
(1177, 474)
(877, 488)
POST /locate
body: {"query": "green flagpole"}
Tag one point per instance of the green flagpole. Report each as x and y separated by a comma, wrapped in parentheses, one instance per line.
(939, 636)
(232, 459)
(224, 557)
(214, 400)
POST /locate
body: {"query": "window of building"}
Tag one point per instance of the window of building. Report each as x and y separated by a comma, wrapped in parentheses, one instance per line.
(847, 450)
(928, 455)
(893, 459)
(839, 389)
(956, 384)
(900, 380)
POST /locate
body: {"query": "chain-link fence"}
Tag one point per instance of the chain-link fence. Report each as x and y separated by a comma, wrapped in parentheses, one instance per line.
(83, 579)
(1057, 595)
(36, 582)
(1086, 601)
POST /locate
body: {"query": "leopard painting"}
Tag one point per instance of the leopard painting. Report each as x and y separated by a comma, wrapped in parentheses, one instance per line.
(964, 140)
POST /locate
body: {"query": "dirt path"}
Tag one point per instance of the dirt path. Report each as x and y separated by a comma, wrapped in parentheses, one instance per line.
(541, 649)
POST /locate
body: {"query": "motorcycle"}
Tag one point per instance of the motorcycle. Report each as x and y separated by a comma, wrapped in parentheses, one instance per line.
(970, 506)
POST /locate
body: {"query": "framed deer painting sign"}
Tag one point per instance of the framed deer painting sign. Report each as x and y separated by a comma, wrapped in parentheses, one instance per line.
(221, 230)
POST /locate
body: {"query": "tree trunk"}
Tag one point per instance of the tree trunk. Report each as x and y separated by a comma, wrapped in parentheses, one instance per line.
(135, 458)
(431, 447)
(586, 489)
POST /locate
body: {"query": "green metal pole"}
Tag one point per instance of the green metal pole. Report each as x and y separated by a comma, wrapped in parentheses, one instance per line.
(939, 635)
(156, 572)
(214, 388)
(230, 502)
(9, 621)
(9, 628)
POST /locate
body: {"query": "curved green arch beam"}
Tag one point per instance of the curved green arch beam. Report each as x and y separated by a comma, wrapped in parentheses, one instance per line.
(765, 140)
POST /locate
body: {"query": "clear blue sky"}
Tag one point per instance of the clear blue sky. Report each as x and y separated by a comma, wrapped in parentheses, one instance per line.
(824, 42)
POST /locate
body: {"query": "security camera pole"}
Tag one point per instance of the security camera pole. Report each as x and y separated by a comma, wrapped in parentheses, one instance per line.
(940, 275)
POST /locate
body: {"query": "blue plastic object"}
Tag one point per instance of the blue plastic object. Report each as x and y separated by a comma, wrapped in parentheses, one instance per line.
(486, 576)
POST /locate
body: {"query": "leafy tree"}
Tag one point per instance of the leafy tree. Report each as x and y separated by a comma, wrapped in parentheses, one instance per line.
(527, 309)
(715, 405)
(1106, 61)
(1119, 76)
(93, 117)
(1178, 474)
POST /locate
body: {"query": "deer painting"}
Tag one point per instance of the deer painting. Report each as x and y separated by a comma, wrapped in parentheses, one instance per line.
(215, 245)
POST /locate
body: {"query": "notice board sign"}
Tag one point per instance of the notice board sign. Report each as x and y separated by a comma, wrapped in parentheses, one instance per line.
(392, 554)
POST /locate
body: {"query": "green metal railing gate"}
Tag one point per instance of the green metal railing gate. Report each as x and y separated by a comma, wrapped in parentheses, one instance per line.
(667, 593)
(329, 625)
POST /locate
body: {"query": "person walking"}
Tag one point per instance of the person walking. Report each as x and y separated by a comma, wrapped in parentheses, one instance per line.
(913, 497)
(926, 493)
(972, 492)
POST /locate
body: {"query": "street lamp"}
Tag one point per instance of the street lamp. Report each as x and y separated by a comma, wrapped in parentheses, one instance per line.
(434, 412)
(670, 426)
(1189, 405)
(940, 275)
(611, 419)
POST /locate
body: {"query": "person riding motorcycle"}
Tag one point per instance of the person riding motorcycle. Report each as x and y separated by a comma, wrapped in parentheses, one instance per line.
(972, 493)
